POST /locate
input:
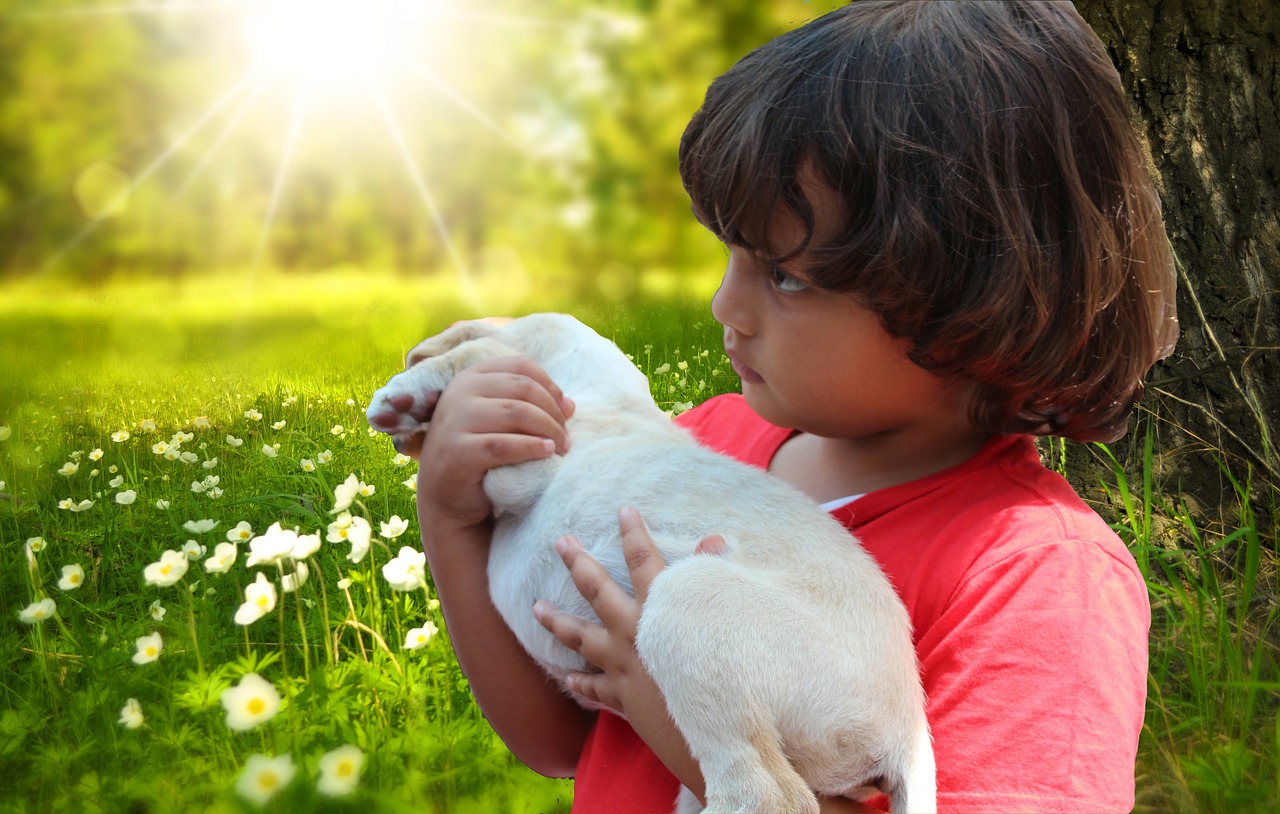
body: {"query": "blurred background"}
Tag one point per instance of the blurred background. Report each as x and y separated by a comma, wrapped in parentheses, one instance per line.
(505, 144)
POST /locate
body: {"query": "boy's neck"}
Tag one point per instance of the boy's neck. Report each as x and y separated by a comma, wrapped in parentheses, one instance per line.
(832, 468)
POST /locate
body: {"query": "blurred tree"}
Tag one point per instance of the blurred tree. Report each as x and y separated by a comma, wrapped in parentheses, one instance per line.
(1201, 76)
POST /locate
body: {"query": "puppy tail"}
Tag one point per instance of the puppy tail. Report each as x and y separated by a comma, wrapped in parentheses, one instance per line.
(915, 790)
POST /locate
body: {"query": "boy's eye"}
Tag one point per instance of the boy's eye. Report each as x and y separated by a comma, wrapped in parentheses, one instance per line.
(785, 282)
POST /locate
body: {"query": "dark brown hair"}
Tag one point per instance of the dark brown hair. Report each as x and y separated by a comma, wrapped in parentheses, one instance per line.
(995, 206)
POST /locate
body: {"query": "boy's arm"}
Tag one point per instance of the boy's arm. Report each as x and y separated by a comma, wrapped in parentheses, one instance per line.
(499, 412)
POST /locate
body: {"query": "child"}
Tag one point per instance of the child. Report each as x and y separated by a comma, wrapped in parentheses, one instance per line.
(942, 241)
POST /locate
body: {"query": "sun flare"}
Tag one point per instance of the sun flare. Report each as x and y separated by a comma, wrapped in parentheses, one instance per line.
(330, 44)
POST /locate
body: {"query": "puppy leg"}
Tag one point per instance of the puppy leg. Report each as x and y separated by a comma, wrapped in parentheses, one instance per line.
(700, 638)
(407, 401)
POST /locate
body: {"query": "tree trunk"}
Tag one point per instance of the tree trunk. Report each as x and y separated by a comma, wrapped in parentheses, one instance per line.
(1203, 86)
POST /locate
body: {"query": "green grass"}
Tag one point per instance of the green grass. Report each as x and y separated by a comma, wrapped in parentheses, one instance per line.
(78, 366)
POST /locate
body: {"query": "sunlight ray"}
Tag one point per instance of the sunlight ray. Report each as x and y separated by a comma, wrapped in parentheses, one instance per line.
(151, 168)
(429, 76)
(143, 7)
(420, 184)
(282, 172)
(230, 127)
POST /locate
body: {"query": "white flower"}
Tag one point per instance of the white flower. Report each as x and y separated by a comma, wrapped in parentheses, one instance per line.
(162, 504)
(344, 493)
(337, 430)
(393, 528)
(5, 432)
(173, 454)
(325, 457)
(242, 531)
(131, 714)
(251, 702)
(157, 611)
(126, 497)
(307, 465)
(170, 568)
(401, 460)
(264, 776)
(180, 438)
(146, 425)
(340, 771)
(367, 489)
(224, 556)
(411, 484)
(197, 487)
(232, 441)
(149, 648)
(253, 415)
(37, 611)
(193, 550)
(82, 506)
(419, 636)
(66, 503)
(354, 530)
(259, 600)
(159, 447)
(35, 544)
(279, 425)
(68, 469)
(210, 464)
(305, 545)
(188, 457)
(407, 572)
(278, 543)
(116, 482)
(201, 422)
(200, 526)
(344, 583)
(292, 582)
(270, 450)
(72, 577)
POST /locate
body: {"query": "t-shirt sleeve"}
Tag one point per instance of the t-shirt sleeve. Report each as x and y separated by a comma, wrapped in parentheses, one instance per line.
(1036, 676)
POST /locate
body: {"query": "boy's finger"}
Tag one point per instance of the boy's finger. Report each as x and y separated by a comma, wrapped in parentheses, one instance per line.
(644, 560)
(615, 607)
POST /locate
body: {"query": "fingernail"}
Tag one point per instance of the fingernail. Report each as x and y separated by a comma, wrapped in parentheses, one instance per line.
(562, 546)
(549, 446)
(538, 610)
(628, 515)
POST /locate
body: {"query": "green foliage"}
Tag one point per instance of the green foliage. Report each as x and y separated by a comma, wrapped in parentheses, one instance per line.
(155, 139)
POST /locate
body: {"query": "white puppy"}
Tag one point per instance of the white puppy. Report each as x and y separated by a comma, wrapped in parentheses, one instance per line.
(786, 662)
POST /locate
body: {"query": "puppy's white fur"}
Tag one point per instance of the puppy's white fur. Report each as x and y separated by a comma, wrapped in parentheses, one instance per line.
(786, 662)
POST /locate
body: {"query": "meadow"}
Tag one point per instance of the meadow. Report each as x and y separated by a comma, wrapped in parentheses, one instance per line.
(212, 595)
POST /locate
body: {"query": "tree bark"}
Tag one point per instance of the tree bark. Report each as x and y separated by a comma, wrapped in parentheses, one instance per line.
(1202, 81)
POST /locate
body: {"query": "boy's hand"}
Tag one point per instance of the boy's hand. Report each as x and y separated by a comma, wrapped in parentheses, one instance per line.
(498, 412)
(622, 684)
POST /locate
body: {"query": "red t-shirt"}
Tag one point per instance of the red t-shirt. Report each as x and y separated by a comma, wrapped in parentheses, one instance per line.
(1030, 619)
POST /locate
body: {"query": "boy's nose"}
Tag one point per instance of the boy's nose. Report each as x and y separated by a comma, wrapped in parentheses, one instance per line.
(731, 304)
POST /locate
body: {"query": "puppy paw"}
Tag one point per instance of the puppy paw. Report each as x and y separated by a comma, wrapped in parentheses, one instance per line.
(396, 410)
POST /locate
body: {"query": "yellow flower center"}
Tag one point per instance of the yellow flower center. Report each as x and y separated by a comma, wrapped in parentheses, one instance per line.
(256, 706)
(346, 769)
(164, 569)
(268, 780)
(151, 650)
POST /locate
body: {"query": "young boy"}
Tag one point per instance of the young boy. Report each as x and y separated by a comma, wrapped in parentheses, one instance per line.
(942, 241)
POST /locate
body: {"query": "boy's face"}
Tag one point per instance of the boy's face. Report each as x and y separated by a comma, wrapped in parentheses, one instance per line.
(819, 361)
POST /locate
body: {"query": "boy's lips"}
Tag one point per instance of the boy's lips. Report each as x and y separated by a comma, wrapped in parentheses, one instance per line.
(745, 373)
